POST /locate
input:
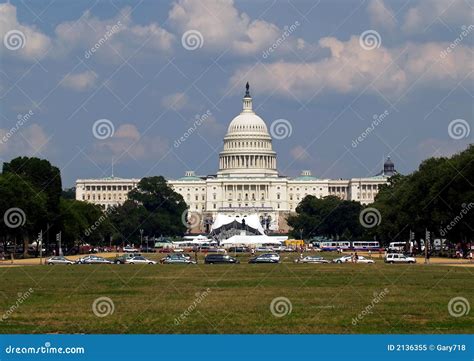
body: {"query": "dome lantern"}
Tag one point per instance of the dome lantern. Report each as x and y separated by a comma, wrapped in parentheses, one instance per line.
(247, 101)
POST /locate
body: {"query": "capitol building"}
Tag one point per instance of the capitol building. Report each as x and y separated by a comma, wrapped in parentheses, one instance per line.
(247, 181)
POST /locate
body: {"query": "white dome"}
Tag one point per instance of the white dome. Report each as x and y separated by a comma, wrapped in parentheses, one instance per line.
(247, 123)
(247, 146)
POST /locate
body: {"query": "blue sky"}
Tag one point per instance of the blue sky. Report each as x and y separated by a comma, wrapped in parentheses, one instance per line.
(333, 66)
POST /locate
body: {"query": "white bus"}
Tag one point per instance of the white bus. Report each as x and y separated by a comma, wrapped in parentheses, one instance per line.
(335, 245)
(401, 246)
(365, 245)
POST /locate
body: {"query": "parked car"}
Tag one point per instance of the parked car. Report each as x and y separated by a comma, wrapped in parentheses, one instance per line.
(91, 259)
(123, 258)
(176, 259)
(59, 260)
(311, 259)
(263, 249)
(219, 258)
(399, 258)
(266, 258)
(130, 249)
(238, 250)
(139, 260)
(216, 250)
(342, 259)
(362, 259)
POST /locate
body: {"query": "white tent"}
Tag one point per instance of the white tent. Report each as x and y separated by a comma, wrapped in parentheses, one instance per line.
(242, 240)
(252, 221)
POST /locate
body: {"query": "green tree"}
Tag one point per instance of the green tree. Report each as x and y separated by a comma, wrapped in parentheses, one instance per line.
(22, 206)
(46, 180)
(154, 207)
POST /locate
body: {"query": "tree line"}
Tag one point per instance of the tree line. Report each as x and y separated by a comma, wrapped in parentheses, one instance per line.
(32, 202)
(438, 197)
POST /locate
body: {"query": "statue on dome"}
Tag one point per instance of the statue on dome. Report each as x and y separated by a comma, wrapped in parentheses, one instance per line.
(247, 93)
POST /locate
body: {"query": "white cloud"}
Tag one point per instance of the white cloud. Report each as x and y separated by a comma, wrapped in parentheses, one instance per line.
(111, 39)
(30, 41)
(27, 140)
(381, 15)
(127, 142)
(350, 69)
(426, 13)
(176, 101)
(81, 81)
(224, 27)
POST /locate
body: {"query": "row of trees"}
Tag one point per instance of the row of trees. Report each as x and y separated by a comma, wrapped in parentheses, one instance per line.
(32, 201)
(328, 217)
(438, 197)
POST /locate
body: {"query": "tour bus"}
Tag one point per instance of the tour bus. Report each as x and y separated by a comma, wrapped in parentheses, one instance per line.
(335, 245)
(397, 246)
(365, 245)
(400, 246)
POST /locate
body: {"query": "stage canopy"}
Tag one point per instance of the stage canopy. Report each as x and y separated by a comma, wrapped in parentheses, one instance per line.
(242, 240)
(226, 226)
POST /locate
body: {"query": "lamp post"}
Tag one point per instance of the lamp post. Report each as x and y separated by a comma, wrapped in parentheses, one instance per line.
(141, 237)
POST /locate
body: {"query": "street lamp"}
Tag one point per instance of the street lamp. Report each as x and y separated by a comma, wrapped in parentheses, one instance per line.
(141, 238)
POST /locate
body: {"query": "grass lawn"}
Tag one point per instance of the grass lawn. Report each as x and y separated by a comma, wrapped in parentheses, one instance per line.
(235, 298)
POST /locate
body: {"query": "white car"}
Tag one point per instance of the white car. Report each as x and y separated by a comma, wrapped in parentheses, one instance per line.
(130, 249)
(263, 249)
(139, 260)
(59, 260)
(399, 258)
(311, 259)
(342, 259)
(361, 259)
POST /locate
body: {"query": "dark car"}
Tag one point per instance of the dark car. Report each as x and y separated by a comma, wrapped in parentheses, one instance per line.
(219, 258)
(238, 250)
